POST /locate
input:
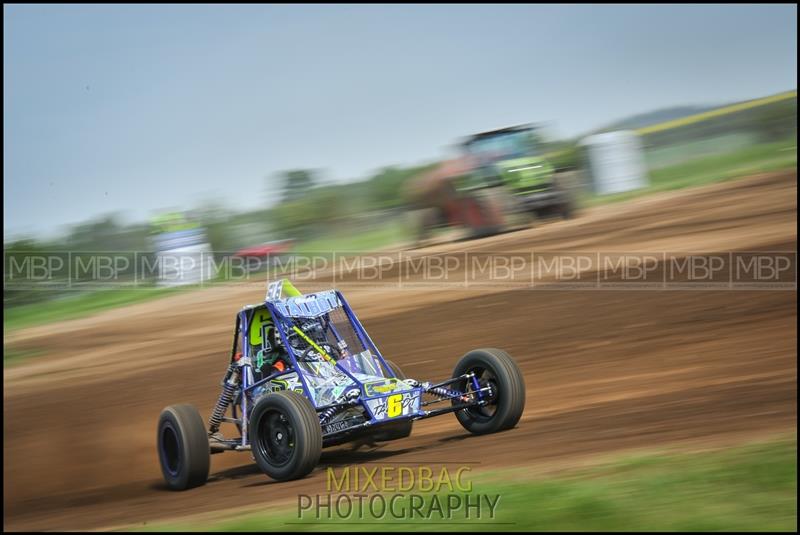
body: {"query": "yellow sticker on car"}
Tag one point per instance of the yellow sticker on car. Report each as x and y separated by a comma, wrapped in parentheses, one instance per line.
(394, 405)
(384, 386)
(261, 317)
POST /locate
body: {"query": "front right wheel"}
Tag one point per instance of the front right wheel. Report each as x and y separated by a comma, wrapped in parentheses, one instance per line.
(496, 371)
(285, 435)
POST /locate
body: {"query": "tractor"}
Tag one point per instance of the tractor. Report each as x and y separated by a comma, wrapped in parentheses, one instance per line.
(499, 174)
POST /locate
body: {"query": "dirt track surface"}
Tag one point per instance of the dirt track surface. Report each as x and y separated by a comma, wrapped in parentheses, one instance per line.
(606, 371)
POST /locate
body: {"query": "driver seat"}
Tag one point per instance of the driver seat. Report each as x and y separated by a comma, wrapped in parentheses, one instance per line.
(267, 356)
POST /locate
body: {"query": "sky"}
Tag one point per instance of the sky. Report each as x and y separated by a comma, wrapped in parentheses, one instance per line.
(133, 109)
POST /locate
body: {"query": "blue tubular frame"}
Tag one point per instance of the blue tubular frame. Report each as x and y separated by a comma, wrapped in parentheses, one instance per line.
(280, 322)
(248, 385)
(366, 341)
(336, 334)
(245, 373)
(277, 320)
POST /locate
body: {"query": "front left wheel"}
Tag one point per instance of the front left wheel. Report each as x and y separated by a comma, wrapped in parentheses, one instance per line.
(183, 448)
(285, 435)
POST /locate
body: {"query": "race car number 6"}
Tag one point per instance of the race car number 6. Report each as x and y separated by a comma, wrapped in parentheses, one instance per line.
(394, 405)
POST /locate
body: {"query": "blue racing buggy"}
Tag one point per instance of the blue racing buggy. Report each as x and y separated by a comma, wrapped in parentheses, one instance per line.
(304, 374)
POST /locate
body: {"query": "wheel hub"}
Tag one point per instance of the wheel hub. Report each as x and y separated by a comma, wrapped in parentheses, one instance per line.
(277, 442)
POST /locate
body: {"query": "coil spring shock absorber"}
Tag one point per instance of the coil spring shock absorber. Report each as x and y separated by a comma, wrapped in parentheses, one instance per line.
(447, 393)
(229, 386)
(327, 414)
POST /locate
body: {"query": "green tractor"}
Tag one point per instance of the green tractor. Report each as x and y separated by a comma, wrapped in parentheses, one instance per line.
(511, 158)
(499, 182)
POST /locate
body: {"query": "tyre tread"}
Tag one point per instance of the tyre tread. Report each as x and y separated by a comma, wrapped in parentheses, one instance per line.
(309, 435)
(514, 390)
(191, 428)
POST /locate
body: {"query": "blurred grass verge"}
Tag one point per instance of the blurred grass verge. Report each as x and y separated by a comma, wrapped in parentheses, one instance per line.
(390, 231)
(80, 305)
(745, 488)
(15, 356)
(740, 163)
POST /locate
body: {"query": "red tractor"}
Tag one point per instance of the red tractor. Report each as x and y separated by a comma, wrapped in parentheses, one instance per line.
(442, 203)
(502, 175)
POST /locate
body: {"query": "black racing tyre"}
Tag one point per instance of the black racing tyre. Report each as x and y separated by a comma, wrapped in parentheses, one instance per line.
(395, 430)
(564, 186)
(183, 449)
(496, 368)
(567, 211)
(567, 208)
(285, 435)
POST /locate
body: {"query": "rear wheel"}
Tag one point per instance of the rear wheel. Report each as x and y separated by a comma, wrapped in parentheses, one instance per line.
(567, 208)
(183, 449)
(285, 435)
(496, 369)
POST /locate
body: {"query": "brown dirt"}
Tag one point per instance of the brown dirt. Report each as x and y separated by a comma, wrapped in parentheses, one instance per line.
(606, 371)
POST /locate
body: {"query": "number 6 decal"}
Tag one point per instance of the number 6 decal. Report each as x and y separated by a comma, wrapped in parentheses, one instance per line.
(394, 405)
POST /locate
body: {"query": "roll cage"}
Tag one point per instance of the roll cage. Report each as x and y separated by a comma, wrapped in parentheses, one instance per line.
(347, 370)
(295, 341)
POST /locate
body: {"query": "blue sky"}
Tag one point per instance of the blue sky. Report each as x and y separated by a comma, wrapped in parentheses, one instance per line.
(136, 108)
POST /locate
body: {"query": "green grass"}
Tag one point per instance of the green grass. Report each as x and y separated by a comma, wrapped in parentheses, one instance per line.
(392, 231)
(751, 488)
(678, 153)
(707, 170)
(76, 306)
(12, 357)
